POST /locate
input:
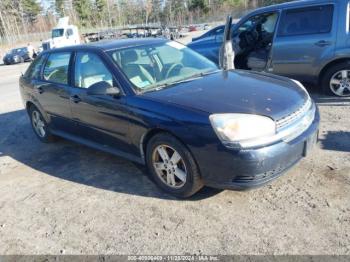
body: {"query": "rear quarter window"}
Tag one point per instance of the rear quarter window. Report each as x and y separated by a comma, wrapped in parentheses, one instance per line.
(304, 21)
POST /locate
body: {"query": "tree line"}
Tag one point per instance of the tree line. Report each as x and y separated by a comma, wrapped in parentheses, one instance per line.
(18, 17)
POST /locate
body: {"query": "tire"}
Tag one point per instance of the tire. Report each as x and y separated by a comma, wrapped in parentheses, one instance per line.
(190, 183)
(334, 74)
(45, 136)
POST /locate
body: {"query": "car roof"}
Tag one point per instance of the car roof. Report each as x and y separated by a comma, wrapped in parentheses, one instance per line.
(112, 44)
(18, 48)
(293, 4)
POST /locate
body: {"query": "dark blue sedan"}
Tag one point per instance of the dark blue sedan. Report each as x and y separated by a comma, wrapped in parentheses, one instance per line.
(159, 103)
(17, 55)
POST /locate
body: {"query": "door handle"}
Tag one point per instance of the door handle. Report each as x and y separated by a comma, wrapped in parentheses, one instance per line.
(75, 99)
(323, 43)
(39, 89)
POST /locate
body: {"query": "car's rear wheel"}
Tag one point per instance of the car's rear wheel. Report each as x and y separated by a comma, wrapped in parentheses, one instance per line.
(172, 166)
(336, 80)
(39, 125)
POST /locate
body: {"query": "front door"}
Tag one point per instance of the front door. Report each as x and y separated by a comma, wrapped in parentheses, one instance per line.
(304, 37)
(101, 119)
(210, 45)
(53, 90)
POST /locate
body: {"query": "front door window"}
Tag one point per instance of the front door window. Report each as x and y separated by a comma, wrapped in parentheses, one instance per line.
(89, 70)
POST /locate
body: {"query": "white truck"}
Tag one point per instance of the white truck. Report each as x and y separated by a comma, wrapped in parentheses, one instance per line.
(62, 35)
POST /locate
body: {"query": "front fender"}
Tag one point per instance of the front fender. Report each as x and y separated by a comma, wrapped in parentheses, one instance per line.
(148, 116)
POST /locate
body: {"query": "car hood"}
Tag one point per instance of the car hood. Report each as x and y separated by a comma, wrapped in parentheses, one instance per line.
(236, 92)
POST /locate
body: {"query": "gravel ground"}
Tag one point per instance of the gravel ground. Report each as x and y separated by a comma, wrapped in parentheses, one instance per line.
(64, 198)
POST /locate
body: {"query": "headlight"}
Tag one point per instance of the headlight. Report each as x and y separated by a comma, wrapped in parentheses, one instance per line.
(242, 130)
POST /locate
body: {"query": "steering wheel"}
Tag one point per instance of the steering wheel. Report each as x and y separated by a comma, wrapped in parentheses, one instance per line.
(172, 68)
(56, 71)
(250, 37)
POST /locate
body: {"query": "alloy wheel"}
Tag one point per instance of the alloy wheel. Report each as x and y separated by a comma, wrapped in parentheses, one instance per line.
(340, 83)
(38, 124)
(169, 166)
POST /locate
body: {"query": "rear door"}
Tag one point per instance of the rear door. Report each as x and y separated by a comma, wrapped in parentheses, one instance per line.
(305, 36)
(53, 90)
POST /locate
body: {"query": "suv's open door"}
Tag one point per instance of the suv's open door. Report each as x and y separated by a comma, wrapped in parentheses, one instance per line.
(226, 55)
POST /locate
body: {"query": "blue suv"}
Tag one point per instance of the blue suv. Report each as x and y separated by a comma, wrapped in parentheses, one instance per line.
(304, 40)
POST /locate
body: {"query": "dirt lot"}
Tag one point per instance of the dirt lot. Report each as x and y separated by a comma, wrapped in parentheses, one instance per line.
(64, 198)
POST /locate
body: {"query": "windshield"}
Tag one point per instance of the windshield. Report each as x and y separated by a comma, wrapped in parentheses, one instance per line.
(151, 67)
(57, 33)
(18, 50)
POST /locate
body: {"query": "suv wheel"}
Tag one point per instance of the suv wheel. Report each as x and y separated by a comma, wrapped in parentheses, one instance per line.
(172, 166)
(336, 80)
(39, 125)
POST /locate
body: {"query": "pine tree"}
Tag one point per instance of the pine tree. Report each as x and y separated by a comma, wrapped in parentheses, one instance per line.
(31, 10)
(100, 10)
(59, 7)
(83, 9)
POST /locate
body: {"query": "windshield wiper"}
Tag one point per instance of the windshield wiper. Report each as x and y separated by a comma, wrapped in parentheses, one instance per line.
(188, 79)
(165, 85)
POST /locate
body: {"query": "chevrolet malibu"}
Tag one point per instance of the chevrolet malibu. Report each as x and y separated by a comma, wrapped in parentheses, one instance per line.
(159, 103)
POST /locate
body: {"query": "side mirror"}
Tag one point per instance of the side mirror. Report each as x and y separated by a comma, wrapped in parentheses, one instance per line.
(219, 38)
(103, 88)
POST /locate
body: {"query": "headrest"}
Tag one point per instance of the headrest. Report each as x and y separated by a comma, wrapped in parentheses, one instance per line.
(129, 56)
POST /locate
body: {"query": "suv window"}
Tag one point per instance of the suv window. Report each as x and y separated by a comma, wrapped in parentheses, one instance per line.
(266, 20)
(311, 20)
(90, 69)
(56, 68)
(33, 71)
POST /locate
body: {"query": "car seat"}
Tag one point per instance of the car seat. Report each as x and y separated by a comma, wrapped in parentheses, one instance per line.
(91, 71)
(137, 74)
(257, 60)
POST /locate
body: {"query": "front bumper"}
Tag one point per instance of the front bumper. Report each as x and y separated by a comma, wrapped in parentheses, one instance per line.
(243, 169)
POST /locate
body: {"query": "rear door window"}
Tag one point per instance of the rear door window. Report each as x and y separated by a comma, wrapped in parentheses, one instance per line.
(56, 68)
(34, 69)
(304, 21)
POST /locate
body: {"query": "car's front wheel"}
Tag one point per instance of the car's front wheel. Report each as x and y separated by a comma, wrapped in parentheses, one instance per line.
(172, 166)
(39, 125)
(336, 80)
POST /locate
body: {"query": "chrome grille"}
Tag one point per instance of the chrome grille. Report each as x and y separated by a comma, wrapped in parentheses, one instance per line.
(287, 120)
